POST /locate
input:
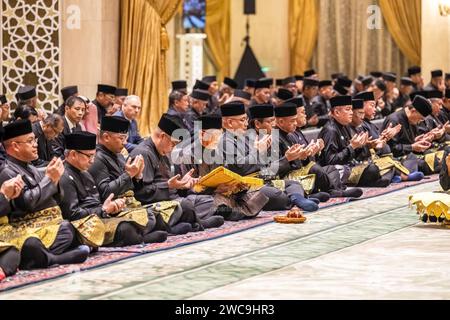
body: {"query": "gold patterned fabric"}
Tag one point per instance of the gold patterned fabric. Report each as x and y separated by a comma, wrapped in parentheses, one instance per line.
(165, 208)
(217, 29)
(435, 204)
(134, 213)
(356, 174)
(43, 225)
(143, 55)
(430, 158)
(386, 163)
(91, 230)
(4, 246)
(303, 31)
(404, 21)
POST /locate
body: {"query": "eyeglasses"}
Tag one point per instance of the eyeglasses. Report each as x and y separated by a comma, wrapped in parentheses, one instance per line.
(90, 156)
(29, 141)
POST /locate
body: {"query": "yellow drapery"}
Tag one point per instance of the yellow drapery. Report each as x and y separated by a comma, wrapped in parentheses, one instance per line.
(217, 29)
(143, 48)
(303, 31)
(403, 19)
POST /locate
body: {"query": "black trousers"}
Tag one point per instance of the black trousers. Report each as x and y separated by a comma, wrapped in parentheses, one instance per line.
(280, 200)
(9, 261)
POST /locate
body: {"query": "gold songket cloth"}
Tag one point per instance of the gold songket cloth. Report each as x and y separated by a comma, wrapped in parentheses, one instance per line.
(435, 204)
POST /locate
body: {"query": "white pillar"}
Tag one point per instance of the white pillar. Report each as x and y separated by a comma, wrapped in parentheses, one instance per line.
(191, 57)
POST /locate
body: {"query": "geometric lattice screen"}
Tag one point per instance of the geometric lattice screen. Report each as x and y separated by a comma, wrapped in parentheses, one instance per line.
(30, 31)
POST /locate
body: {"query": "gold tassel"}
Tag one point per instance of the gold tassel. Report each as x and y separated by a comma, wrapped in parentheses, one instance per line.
(164, 39)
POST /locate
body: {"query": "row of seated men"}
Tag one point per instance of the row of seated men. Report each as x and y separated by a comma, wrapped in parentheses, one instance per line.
(351, 151)
(316, 93)
(97, 197)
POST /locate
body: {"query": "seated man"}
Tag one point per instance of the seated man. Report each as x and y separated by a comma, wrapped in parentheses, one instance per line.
(113, 175)
(104, 99)
(122, 227)
(240, 156)
(343, 147)
(9, 255)
(321, 102)
(433, 121)
(35, 224)
(45, 132)
(75, 109)
(444, 115)
(160, 183)
(327, 178)
(409, 140)
(199, 101)
(407, 167)
(130, 111)
(235, 201)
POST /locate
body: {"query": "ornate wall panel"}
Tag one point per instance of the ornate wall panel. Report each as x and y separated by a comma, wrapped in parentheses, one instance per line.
(30, 32)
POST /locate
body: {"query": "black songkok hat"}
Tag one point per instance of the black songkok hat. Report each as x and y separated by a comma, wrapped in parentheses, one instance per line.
(344, 82)
(231, 109)
(200, 95)
(3, 99)
(288, 80)
(357, 104)
(179, 85)
(230, 82)
(284, 94)
(106, 89)
(263, 83)
(309, 82)
(325, 83)
(376, 74)
(211, 121)
(285, 110)
(447, 76)
(298, 77)
(261, 111)
(422, 105)
(309, 73)
(251, 83)
(16, 129)
(168, 124)
(81, 141)
(69, 91)
(414, 70)
(199, 84)
(365, 96)
(389, 77)
(340, 89)
(406, 81)
(120, 92)
(209, 79)
(436, 73)
(435, 94)
(340, 101)
(115, 124)
(298, 101)
(242, 94)
(26, 93)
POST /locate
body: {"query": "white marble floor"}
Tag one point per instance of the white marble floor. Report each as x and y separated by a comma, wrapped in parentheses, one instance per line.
(413, 263)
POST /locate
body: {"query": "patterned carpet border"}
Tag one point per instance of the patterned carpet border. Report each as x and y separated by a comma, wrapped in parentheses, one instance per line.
(107, 256)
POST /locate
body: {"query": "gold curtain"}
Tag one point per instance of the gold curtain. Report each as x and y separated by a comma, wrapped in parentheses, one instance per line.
(217, 29)
(346, 44)
(403, 19)
(143, 48)
(303, 30)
